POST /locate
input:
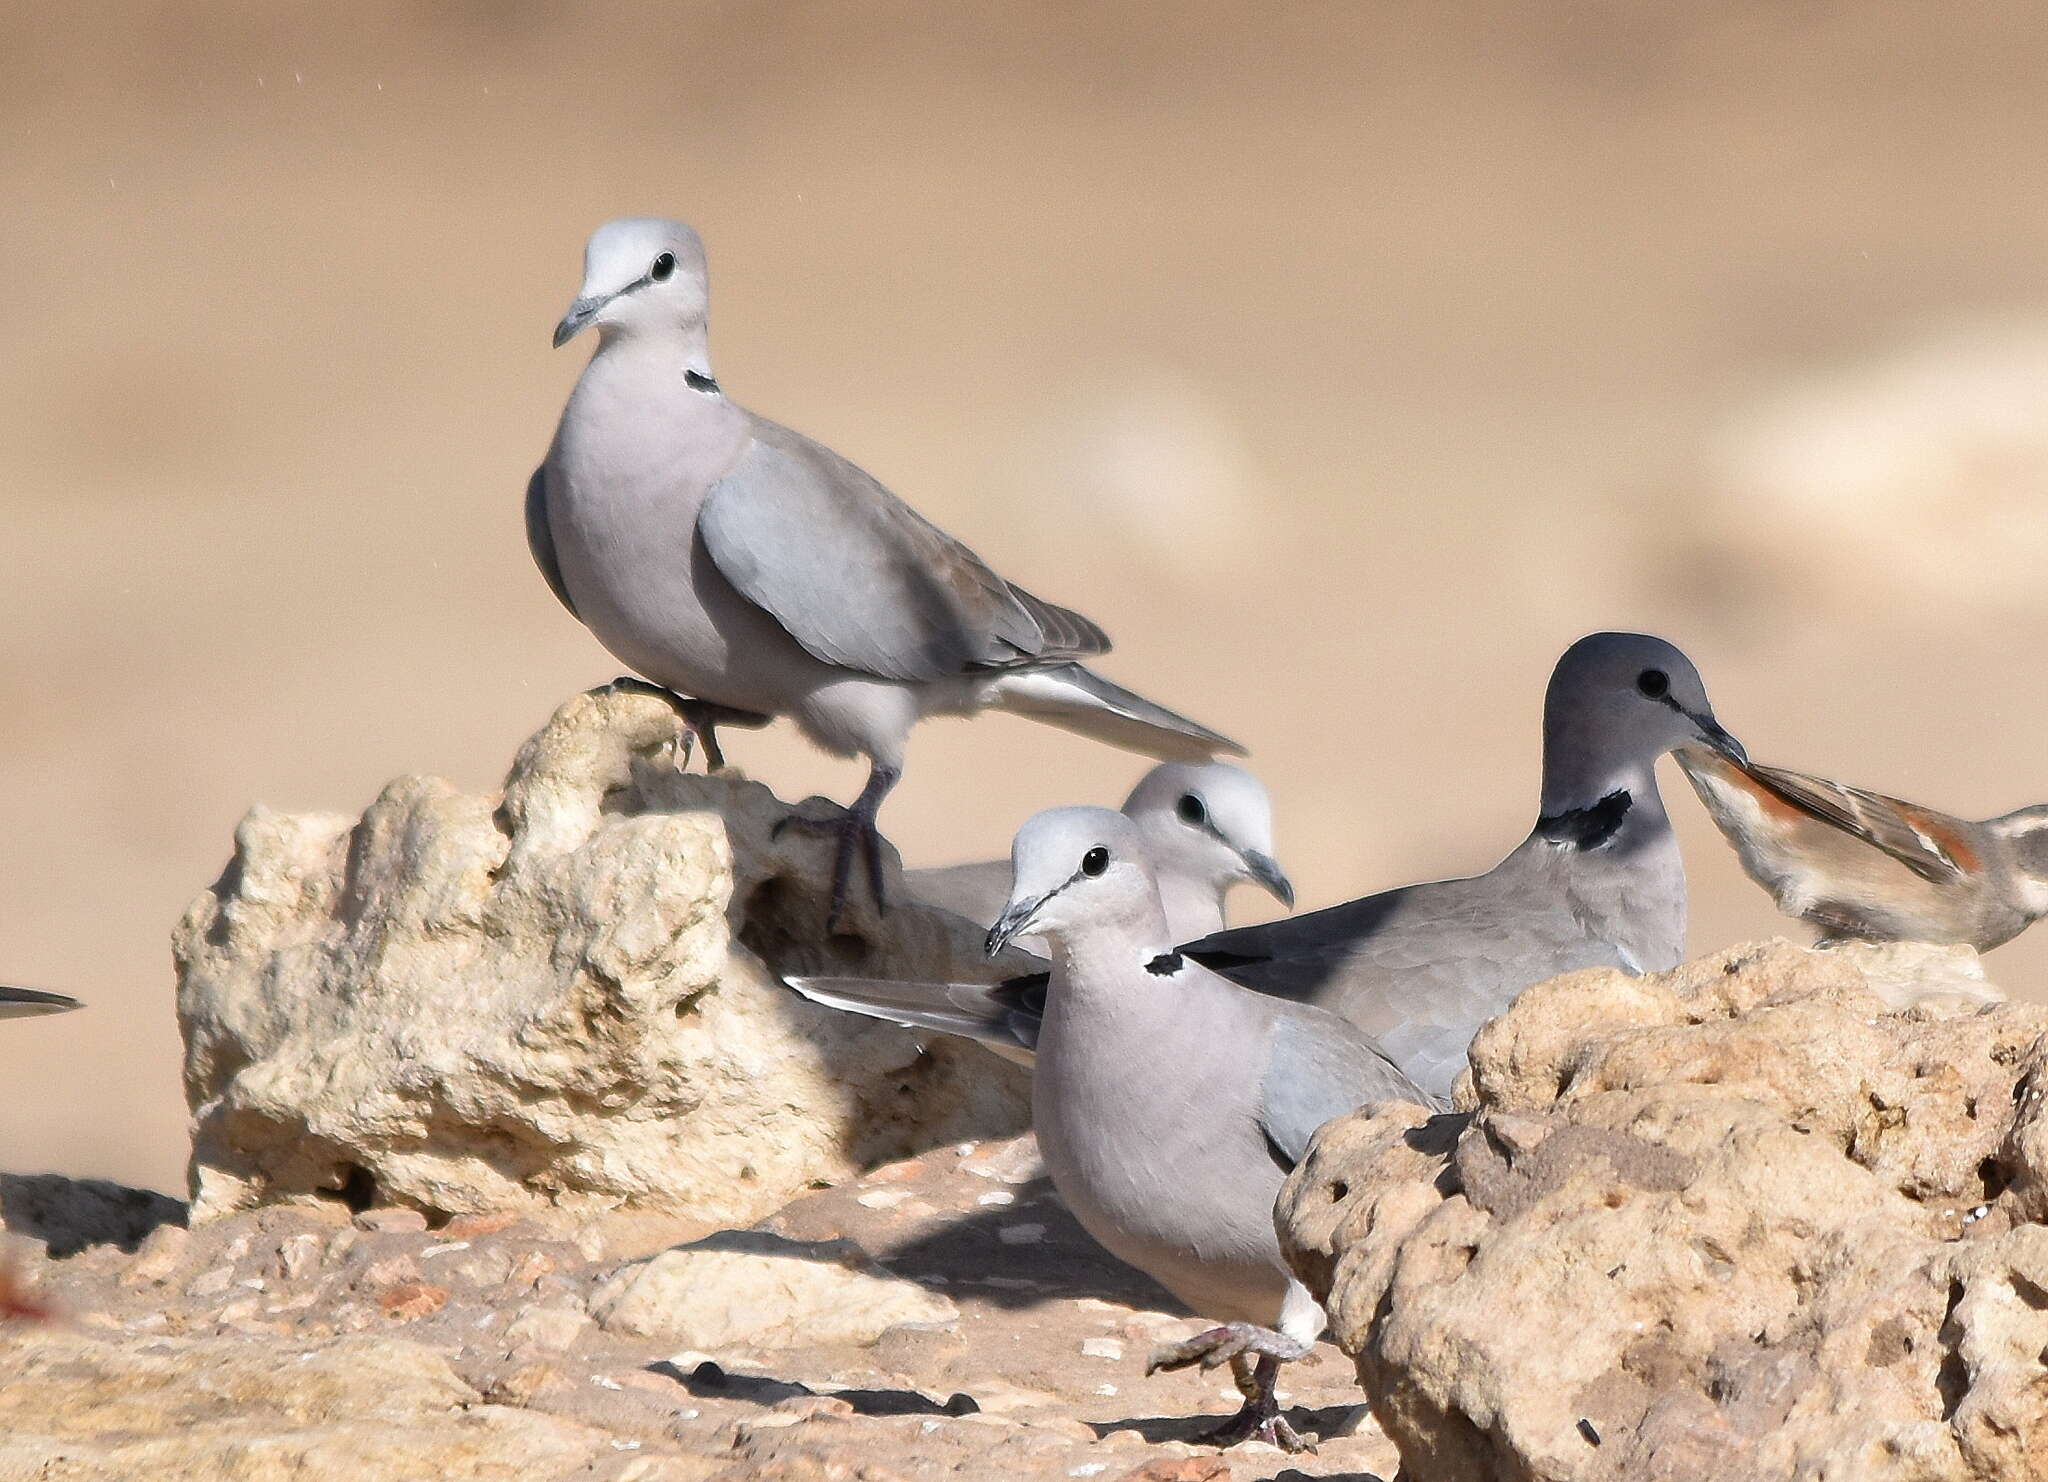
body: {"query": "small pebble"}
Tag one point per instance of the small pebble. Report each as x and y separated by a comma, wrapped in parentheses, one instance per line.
(297, 1255)
(393, 1219)
(998, 1196)
(1102, 1348)
(1105, 1389)
(412, 1299)
(1021, 1234)
(881, 1198)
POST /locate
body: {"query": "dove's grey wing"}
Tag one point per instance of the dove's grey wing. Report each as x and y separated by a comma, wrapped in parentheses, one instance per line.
(1006, 1015)
(863, 581)
(540, 538)
(1419, 969)
(1318, 1067)
(1924, 841)
(21, 1003)
(977, 891)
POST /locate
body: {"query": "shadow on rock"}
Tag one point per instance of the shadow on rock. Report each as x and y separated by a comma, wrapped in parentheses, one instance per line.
(1191, 1428)
(1060, 1261)
(711, 1381)
(70, 1214)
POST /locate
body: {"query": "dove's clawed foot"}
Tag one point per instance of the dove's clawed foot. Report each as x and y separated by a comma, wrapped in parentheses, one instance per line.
(700, 720)
(1254, 1355)
(855, 830)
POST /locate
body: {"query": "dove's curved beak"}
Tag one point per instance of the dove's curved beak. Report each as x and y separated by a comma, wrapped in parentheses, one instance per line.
(1265, 872)
(580, 314)
(1715, 736)
(1015, 922)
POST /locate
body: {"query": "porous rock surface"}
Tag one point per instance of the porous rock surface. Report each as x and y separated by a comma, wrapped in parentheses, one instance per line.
(563, 995)
(300, 1343)
(756, 1288)
(1762, 1217)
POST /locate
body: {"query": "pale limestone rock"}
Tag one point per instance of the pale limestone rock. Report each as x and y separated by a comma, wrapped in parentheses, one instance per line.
(558, 996)
(752, 1289)
(1721, 1224)
(553, 1328)
(86, 1408)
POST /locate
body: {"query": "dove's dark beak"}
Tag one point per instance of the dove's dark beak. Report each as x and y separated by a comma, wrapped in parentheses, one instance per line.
(1014, 922)
(1712, 733)
(580, 314)
(1266, 872)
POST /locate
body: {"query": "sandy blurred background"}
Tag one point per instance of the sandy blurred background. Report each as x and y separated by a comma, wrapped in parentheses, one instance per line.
(1345, 361)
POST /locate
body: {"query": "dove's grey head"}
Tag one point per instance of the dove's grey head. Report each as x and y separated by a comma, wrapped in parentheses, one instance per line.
(1209, 822)
(1616, 703)
(641, 276)
(1075, 871)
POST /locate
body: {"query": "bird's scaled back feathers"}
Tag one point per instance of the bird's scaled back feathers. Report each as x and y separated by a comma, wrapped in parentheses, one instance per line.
(863, 581)
(1924, 841)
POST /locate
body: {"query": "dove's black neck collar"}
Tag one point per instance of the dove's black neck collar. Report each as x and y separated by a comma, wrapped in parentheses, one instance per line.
(700, 381)
(1165, 965)
(1588, 827)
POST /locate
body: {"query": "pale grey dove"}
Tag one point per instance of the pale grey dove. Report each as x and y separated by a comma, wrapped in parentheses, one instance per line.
(1171, 1103)
(755, 573)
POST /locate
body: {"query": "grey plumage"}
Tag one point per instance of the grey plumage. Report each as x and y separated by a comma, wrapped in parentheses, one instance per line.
(1005, 1016)
(23, 1003)
(861, 580)
(1598, 882)
(1169, 1102)
(737, 562)
(541, 540)
(1208, 827)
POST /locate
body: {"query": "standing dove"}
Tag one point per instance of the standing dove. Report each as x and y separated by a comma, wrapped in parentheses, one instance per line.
(1170, 1104)
(1861, 866)
(755, 573)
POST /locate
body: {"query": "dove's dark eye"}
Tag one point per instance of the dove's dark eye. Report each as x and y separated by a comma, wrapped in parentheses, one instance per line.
(1654, 682)
(1095, 861)
(1191, 810)
(664, 267)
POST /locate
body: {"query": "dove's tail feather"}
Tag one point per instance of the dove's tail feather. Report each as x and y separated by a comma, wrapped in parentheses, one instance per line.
(19, 1003)
(1003, 1016)
(1078, 699)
